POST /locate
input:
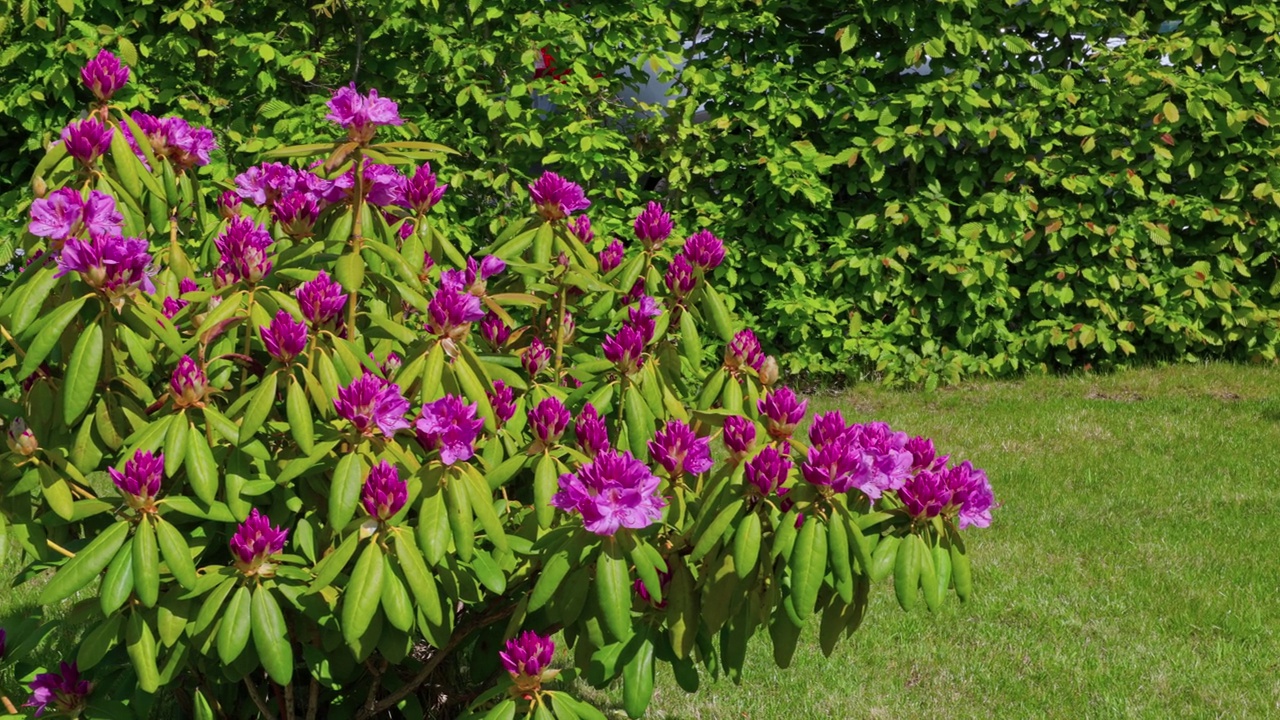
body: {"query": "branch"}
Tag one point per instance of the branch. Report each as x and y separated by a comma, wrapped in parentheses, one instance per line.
(257, 699)
(391, 700)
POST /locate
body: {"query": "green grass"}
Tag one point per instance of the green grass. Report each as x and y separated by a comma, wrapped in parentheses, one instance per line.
(1132, 571)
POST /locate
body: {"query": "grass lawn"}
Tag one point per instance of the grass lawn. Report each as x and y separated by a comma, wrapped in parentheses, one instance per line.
(1133, 570)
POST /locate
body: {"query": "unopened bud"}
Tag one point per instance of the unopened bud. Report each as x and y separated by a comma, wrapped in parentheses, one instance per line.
(39, 187)
(769, 371)
(21, 440)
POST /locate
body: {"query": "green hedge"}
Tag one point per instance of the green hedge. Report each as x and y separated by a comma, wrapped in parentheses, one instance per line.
(914, 190)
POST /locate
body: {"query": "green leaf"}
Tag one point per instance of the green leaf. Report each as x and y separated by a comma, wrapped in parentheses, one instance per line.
(344, 490)
(334, 563)
(546, 483)
(906, 573)
(395, 598)
(25, 304)
(85, 566)
(363, 591)
(98, 641)
(271, 636)
(117, 585)
(712, 534)
(175, 443)
(146, 564)
(433, 526)
(637, 679)
(177, 555)
(613, 590)
(298, 412)
(713, 308)
(264, 398)
(461, 519)
(746, 544)
(233, 633)
(808, 565)
(141, 646)
(202, 470)
(481, 498)
(50, 332)
(419, 578)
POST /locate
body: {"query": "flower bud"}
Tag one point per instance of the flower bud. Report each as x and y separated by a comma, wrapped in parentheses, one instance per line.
(769, 370)
(21, 440)
(187, 385)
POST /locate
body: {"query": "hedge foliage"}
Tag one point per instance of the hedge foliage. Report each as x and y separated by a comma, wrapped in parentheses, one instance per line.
(916, 190)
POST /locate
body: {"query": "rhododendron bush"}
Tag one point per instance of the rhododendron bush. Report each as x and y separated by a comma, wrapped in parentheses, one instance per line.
(285, 451)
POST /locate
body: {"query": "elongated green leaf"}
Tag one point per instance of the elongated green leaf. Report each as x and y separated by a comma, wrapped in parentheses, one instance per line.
(961, 574)
(553, 573)
(884, 558)
(212, 604)
(639, 422)
(335, 562)
(176, 554)
(50, 332)
(613, 590)
(746, 544)
(419, 578)
(344, 491)
(85, 566)
(906, 573)
(545, 485)
(98, 641)
(395, 598)
(433, 526)
(146, 564)
(637, 679)
(363, 591)
(264, 398)
(928, 575)
(24, 300)
(298, 412)
(841, 562)
(461, 517)
(141, 646)
(233, 633)
(711, 536)
(271, 636)
(808, 565)
(202, 470)
(175, 443)
(117, 585)
(126, 166)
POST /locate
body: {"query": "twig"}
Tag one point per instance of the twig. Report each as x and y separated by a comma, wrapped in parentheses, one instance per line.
(8, 705)
(313, 699)
(394, 698)
(257, 699)
(288, 701)
(58, 548)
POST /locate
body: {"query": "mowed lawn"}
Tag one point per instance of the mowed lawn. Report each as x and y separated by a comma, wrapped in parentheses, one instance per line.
(1133, 570)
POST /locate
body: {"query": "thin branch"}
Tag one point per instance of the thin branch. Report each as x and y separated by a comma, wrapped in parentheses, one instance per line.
(313, 699)
(257, 699)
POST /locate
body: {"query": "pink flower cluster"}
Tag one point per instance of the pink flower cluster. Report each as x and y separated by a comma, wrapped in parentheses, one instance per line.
(615, 490)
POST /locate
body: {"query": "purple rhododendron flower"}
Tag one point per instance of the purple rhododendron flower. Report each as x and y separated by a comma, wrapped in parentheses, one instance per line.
(243, 245)
(971, 493)
(104, 75)
(451, 312)
(265, 184)
(535, 357)
(548, 420)
(589, 428)
(494, 330)
(886, 451)
(285, 338)
(613, 491)
(653, 226)
(926, 494)
(611, 256)
(256, 540)
(743, 351)
(644, 316)
(924, 456)
(383, 184)
(556, 198)
(421, 191)
(296, 213)
(229, 203)
(176, 140)
(580, 226)
(841, 467)
(678, 450)
(527, 655)
(362, 114)
(828, 428)
(65, 214)
(116, 266)
(450, 425)
(369, 402)
(140, 481)
(782, 411)
(503, 401)
(680, 278)
(87, 140)
(739, 436)
(187, 384)
(384, 493)
(704, 250)
(63, 692)
(768, 470)
(625, 349)
(321, 301)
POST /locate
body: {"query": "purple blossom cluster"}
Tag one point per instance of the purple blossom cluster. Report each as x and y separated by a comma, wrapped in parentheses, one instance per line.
(781, 411)
(653, 226)
(87, 140)
(590, 430)
(255, 541)
(580, 226)
(321, 301)
(961, 491)
(555, 198)
(536, 357)
(140, 481)
(614, 490)
(611, 256)
(449, 425)
(63, 692)
(66, 214)
(188, 384)
(548, 420)
(451, 311)
(371, 403)
(502, 399)
(679, 451)
(243, 246)
(185, 146)
(116, 266)
(494, 330)
(285, 338)
(527, 656)
(384, 493)
(104, 75)
(362, 114)
(768, 470)
(743, 351)
(739, 437)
